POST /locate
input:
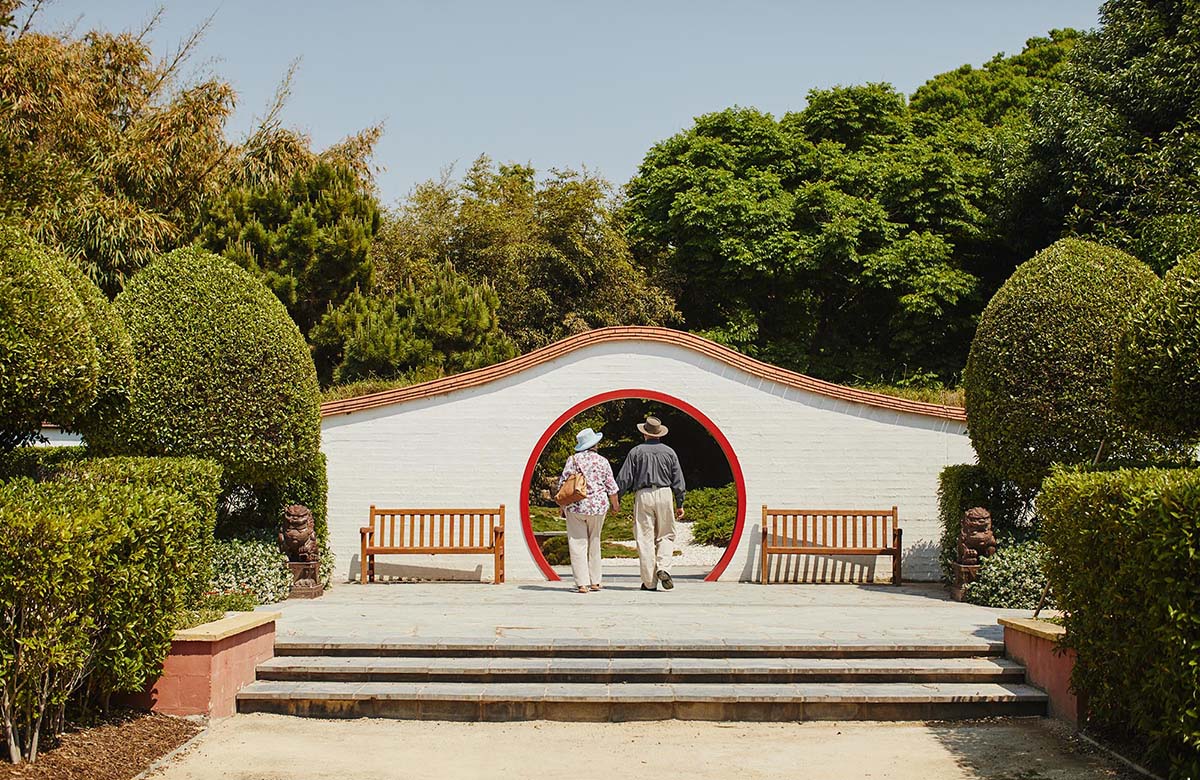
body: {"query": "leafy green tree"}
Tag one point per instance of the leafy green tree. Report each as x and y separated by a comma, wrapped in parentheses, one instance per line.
(107, 154)
(1113, 148)
(441, 326)
(308, 239)
(553, 250)
(1002, 89)
(855, 239)
(824, 242)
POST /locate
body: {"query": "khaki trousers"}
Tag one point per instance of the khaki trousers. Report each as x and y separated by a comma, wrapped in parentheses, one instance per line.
(654, 529)
(583, 543)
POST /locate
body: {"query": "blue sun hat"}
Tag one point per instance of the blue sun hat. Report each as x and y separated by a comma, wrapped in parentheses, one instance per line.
(586, 439)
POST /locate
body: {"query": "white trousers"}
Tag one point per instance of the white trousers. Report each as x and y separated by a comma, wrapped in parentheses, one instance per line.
(583, 543)
(654, 529)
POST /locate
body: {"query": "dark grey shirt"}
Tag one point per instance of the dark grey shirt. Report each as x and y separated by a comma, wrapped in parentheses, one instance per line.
(652, 465)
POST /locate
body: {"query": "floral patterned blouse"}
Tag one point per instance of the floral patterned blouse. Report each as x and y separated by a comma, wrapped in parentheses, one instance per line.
(600, 482)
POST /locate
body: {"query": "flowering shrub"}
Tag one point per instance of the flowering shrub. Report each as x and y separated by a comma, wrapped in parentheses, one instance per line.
(1011, 579)
(253, 566)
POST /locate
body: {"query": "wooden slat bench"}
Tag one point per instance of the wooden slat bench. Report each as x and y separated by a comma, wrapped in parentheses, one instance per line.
(433, 532)
(831, 532)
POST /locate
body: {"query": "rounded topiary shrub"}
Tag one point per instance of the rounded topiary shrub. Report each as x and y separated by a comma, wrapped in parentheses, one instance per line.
(48, 358)
(221, 371)
(1156, 377)
(1038, 380)
(112, 343)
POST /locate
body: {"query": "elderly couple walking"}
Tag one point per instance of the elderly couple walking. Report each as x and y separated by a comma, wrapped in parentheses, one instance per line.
(651, 472)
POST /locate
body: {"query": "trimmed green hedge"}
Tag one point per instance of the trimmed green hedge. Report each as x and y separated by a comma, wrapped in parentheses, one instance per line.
(49, 363)
(713, 512)
(97, 564)
(222, 372)
(184, 548)
(966, 485)
(49, 556)
(1123, 559)
(1038, 380)
(1156, 378)
(38, 463)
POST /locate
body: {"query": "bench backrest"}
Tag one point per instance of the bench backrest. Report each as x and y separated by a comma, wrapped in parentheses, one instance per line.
(440, 529)
(834, 528)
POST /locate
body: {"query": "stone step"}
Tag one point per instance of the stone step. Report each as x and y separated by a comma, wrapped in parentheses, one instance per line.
(642, 670)
(604, 648)
(642, 701)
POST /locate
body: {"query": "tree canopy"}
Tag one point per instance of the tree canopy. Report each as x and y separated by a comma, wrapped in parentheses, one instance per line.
(308, 239)
(552, 249)
(1112, 149)
(107, 154)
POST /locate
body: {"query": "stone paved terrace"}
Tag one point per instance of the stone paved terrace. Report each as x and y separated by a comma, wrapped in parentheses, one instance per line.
(695, 611)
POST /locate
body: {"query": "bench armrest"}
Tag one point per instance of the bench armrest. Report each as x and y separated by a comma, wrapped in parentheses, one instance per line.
(367, 530)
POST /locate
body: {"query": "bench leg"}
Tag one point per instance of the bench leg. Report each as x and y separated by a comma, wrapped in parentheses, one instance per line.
(763, 577)
(897, 573)
(362, 561)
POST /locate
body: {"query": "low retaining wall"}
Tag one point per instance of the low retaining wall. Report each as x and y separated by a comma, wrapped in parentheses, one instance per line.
(209, 664)
(1035, 645)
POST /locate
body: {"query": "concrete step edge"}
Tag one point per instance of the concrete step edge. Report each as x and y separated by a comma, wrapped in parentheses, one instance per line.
(364, 669)
(604, 649)
(599, 692)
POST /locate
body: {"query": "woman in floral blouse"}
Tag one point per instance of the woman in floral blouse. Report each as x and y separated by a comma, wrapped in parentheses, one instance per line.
(586, 516)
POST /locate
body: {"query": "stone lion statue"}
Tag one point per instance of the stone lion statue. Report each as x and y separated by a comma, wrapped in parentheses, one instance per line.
(297, 536)
(976, 539)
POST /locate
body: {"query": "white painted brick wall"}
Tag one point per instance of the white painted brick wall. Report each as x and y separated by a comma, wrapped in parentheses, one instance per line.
(796, 449)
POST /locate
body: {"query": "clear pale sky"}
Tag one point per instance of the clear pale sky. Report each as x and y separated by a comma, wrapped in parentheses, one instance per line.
(557, 83)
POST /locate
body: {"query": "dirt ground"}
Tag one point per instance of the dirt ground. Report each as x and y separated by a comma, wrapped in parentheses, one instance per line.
(119, 749)
(272, 747)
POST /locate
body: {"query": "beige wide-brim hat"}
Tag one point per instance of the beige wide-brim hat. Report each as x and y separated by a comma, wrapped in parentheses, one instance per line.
(653, 428)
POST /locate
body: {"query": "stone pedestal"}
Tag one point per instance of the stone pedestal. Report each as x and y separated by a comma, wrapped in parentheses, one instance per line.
(962, 575)
(306, 580)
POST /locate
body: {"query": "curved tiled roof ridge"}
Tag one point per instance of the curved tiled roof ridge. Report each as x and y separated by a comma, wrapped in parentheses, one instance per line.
(679, 338)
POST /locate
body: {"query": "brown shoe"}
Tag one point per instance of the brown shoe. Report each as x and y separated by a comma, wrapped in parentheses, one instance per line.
(596, 587)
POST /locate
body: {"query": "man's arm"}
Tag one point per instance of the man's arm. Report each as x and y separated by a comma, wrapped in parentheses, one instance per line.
(678, 487)
(625, 476)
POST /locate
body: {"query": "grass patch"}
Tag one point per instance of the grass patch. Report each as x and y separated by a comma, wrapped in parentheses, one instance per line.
(368, 386)
(617, 528)
(944, 396)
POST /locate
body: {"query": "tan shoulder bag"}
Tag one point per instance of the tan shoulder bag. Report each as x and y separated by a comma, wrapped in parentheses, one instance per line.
(574, 488)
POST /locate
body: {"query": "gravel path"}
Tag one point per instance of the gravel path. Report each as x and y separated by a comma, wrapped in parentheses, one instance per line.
(253, 747)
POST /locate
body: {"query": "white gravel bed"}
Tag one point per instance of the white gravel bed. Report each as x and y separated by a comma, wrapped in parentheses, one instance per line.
(692, 554)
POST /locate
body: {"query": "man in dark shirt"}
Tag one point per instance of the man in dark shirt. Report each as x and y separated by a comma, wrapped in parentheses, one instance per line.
(651, 472)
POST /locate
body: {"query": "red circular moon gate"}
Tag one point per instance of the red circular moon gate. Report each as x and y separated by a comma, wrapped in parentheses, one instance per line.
(618, 395)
